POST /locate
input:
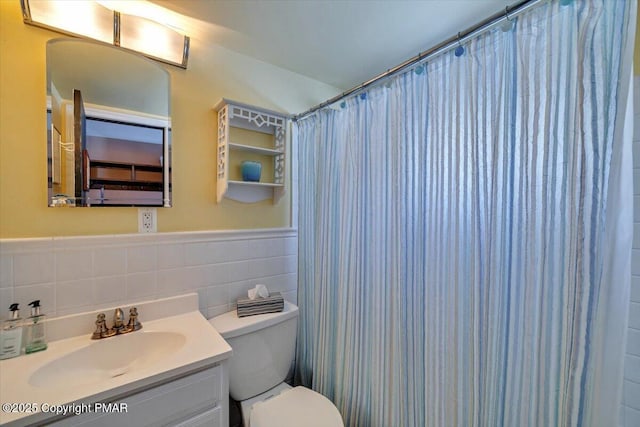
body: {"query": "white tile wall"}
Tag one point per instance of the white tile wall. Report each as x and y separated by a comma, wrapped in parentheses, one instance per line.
(630, 412)
(76, 274)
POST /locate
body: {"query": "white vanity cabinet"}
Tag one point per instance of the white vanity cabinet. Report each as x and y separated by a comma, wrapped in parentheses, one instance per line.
(198, 399)
(246, 132)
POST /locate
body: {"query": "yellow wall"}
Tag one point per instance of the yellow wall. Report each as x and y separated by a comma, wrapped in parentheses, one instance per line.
(213, 73)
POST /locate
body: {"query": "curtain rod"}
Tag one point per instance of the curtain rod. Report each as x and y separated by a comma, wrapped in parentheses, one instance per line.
(509, 12)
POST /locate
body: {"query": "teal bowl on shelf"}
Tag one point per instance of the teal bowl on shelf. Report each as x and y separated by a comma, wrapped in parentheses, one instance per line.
(251, 171)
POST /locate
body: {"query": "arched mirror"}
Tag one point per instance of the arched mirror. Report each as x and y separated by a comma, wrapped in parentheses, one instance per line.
(109, 127)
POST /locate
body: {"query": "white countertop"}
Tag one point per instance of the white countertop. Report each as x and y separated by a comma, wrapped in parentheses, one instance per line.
(203, 347)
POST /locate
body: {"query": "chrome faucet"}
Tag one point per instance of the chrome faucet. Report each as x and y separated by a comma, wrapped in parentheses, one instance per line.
(119, 328)
(118, 321)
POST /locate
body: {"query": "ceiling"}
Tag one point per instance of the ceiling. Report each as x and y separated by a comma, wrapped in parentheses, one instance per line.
(339, 42)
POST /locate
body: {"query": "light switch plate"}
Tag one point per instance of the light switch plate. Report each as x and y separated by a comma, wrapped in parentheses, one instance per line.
(147, 220)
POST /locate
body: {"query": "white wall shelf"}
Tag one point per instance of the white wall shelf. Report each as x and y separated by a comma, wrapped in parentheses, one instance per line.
(256, 184)
(233, 114)
(254, 149)
(251, 192)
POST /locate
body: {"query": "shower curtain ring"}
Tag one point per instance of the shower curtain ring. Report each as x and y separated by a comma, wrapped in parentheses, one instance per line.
(509, 23)
(459, 50)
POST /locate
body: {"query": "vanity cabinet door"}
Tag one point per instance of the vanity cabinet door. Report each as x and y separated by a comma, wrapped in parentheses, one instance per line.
(199, 399)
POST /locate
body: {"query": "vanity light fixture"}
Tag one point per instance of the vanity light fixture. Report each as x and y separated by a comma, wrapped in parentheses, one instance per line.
(89, 19)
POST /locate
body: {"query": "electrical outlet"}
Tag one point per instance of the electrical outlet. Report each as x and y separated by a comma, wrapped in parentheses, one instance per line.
(147, 220)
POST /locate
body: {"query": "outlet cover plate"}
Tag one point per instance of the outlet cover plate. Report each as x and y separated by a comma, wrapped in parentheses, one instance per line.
(147, 220)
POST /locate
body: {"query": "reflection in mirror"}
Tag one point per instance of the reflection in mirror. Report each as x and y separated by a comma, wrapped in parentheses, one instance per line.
(109, 127)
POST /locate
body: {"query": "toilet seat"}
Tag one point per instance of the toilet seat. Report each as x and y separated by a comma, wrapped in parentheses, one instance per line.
(296, 407)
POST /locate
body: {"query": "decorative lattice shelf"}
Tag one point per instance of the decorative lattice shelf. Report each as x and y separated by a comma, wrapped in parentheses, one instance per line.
(233, 114)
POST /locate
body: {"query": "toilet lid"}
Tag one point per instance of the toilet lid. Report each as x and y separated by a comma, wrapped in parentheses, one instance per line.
(294, 408)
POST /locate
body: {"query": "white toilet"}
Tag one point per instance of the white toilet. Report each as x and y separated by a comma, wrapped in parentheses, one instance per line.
(263, 351)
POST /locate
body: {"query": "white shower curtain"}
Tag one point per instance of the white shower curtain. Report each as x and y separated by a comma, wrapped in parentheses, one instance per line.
(465, 231)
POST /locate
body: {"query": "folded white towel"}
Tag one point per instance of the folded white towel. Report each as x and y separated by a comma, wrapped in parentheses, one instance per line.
(260, 291)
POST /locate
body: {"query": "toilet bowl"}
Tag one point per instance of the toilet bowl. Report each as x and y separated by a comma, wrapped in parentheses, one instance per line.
(263, 352)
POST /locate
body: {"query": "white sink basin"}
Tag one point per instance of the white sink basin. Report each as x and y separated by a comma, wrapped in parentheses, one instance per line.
(108, 358)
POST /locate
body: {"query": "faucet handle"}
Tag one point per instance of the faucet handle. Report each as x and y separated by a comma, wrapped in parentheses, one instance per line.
(134, 324)
(101, 328)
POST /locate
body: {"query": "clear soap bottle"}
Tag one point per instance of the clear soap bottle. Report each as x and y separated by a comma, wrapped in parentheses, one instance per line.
(36, 339)
(11, 334)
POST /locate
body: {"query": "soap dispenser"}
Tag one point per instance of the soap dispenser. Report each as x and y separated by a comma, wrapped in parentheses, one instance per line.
(11, 334)
(35, 330)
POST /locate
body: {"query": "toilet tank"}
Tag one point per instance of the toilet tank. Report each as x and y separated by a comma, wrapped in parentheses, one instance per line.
(263, 349)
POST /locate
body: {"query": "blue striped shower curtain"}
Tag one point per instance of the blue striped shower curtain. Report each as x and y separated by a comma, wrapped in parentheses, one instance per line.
(465, 231)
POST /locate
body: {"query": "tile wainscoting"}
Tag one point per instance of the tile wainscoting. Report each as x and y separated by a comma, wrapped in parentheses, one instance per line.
(77, 274)
(630, 410)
